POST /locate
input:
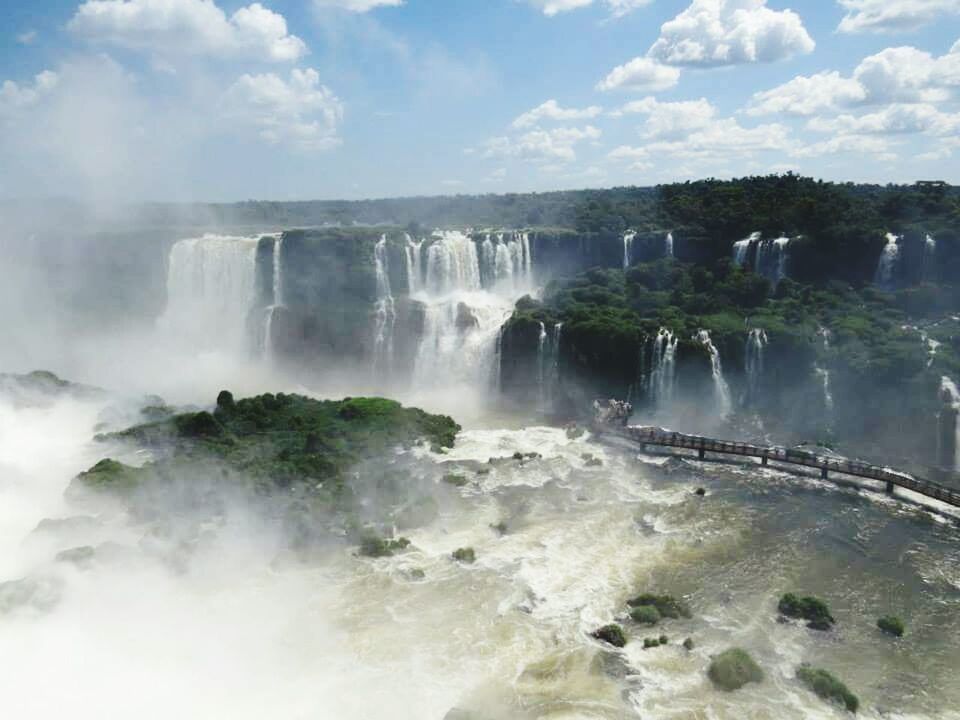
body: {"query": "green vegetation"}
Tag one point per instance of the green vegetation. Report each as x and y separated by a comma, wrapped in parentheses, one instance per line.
(612, 634)
(891, 625)
(112, 476)
(828, 687)
(283, 440)
(455, 479)
(465, 555)
(688, 644)
(811, 609)
(734, 668)
(649, 643)
(666, 605)
(376, 547)
(645, 615)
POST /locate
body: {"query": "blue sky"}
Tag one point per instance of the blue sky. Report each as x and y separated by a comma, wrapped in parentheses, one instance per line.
(299, 99)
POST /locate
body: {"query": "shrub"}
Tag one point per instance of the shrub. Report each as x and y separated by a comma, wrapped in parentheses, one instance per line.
(667, 605)
(688, 644)
(650, 643)
(374, 546)
(734, 668)
(891, 625)
(827, 687)
(645, 615)
(811, 609)
(612, 634)
(465, 555)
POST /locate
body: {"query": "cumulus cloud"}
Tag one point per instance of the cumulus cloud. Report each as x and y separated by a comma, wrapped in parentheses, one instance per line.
(618, 8)
(357, 6)
(16, 96)
(555, 145)
(197, 27)
(892, 120)
(894, 75)
(551, 110)
(642, 74)
(893, 15)
(670, 119)
(28, 37)
(298, 111)
(728, 32)
(854, 144)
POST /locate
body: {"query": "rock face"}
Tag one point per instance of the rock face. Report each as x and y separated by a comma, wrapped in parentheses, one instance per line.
(612, 634)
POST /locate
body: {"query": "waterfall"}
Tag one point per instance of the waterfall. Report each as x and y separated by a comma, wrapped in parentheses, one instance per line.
(771, 260)
(753, 358)
(414, 261)
(887, 264)
(668, 245)
(951, 402)
(928, 266)
(385, 314)
(211, 290)
(548, 364)
(663, 368)
(741, 249)
(824, 374)
(721, 390)
(277, 283)
(467, 294)
(628, 238)
(541, 365)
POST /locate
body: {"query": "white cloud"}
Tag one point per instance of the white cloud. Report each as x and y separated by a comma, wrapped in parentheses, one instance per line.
(618, 8)
(551, 110)
(893, 15)
(555, 145)
(357, 6)
(642, 74)
(855, 144)
(808, 95)
(28, 37)
(894, 75)
(729, 32)
(670, 119)
(894, 119)
(15, 96)
(299, 112)
(197, 27)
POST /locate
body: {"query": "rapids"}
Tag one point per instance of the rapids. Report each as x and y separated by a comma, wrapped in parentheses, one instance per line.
(200, 617)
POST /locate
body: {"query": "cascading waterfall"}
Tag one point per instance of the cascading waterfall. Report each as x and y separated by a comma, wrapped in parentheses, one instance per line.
(211, 290)
(753, 357)
(929, 261)
(741, 249)
(668, 245)
(413, 254)
(771, 260)
(277, 281)
(721, 390)
(541, 364)
(824, 374)
(887, 264)
(663, 368)
(948, 420)
(548, 364)
(628, 238)
(467, 295)
(385, 314)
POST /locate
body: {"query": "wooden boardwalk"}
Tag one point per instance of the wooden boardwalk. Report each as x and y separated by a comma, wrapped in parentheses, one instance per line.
(824, 463)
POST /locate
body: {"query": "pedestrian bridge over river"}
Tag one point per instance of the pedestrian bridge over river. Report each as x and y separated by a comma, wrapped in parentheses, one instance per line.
(826, 464)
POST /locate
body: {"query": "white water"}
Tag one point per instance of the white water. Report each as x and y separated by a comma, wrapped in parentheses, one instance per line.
(663, 369)
(741, 248)
(721, 390)
(462, 313)
(929, 262)
(668, 245)
(949, 391)
(385, 314)
(772, 258)
(277, 282)
(887, 264)
(753, 363)
(628, 238)
(211, 289)
(548, 365)
(413, 252)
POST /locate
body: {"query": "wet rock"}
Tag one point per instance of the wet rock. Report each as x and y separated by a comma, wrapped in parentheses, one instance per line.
(38, 593)
(734, 668)
(611, 664)
(466, 320)
(500, 528)
(574, 431)
(666, 605)
(700, 491)
(811, 609)
(590, 460)
(465, 555)
(612, 634)
(455, 479)
(376, 547)
(688, 644)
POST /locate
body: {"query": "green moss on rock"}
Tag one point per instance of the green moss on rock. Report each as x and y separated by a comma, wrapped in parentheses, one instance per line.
(667, 605)
(465, 555)
(612, 634)
(813, 610)
(828, 687)
(734, 668)
(891, 625)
